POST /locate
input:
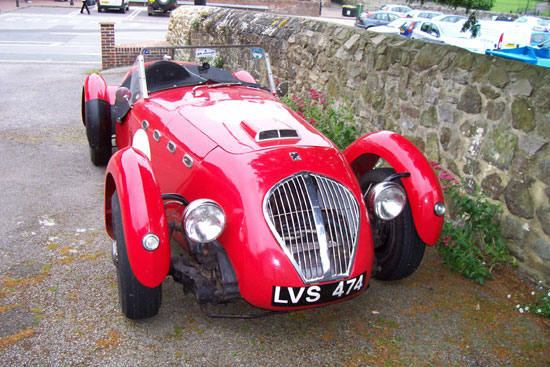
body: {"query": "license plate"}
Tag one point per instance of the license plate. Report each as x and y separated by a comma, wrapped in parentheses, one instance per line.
(316, 294)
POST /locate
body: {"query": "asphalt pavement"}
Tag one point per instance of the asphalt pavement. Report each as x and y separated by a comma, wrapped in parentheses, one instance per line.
(58, 293)
(334, 11)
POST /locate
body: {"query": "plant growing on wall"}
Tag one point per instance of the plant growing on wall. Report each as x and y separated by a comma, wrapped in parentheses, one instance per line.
(472, 242)
(337, 124)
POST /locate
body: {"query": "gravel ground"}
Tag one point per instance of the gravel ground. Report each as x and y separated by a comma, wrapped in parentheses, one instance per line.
(58, 294)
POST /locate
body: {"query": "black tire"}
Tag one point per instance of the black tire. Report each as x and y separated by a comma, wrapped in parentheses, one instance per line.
(397, 247)
(136, 300)
(96, 117)
(99, 8)
(100, 156)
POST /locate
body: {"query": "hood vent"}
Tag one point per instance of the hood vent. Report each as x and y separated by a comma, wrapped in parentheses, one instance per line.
(269, 129)
(277, 134)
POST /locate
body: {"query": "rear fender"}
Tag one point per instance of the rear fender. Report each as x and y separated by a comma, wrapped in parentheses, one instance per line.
(422, 187)
(129, 172)
(96, 110)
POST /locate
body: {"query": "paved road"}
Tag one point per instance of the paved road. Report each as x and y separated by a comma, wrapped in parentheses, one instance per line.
(63, 35)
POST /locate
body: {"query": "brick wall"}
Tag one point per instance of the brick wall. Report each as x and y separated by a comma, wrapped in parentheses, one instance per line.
(113, 56)
(108, 56)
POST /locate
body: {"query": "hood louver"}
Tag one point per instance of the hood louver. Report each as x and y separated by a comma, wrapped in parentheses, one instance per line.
(269, 130)
(277, 134)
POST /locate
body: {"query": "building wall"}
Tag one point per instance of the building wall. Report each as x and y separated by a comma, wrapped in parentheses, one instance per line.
(486, 119)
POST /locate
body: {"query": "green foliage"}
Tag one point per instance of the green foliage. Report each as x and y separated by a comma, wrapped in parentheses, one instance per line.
(472, 242)
(469, 4)
(541, 305)
(516, 6)
(335, 124)
(471, 25)
(196, 23)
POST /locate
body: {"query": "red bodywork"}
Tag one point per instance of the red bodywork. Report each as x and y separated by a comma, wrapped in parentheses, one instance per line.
(217, 129)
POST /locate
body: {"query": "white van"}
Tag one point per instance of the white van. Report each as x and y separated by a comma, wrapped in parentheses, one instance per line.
(121, 5)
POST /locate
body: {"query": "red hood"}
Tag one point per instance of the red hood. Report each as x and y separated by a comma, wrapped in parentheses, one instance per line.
(242, 120)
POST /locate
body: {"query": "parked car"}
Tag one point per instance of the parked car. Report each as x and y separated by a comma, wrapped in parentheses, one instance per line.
(450, 18)
(394, 27)
(537, 38)
(375, 18)
(120, 5)
(409, 26)
(161, 6)
(256, 203)
(424, 14)
(396, 8)
(447, 33)
(542, 25)
(530, 22)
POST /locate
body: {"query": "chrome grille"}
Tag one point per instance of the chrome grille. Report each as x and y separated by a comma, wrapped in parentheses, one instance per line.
(316, 221)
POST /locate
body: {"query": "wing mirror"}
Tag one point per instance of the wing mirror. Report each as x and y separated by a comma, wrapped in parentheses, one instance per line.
(123, 94)
(122, 103)
(282, 89)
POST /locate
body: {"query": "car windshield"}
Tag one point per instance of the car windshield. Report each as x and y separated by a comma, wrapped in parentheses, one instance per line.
(162, 68)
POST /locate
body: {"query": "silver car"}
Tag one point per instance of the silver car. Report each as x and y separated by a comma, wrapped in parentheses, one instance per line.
(375, 18)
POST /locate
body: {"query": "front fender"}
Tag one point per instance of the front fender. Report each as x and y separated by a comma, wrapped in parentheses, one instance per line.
(129, 173)
(96, 111)
(423, 188)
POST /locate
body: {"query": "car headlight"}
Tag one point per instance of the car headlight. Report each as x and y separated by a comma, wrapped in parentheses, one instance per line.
(386, 200)
(203, 220)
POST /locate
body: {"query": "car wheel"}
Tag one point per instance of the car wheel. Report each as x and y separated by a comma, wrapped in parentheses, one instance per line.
(99, 9)
(136, 300)
(98, 130)
(100, 156)
(398, 249)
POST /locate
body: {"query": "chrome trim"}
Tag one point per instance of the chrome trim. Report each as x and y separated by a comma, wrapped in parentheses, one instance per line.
(171, 146)
(156, 135)
(316, 222)
(187, 161)
(145, 241)
(439, 209)
(144, 124)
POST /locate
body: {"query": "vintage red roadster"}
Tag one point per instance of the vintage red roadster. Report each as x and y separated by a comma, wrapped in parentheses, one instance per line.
(214, 181)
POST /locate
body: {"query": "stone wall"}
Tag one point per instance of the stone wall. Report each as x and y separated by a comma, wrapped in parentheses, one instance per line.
(296, 7)
(486, 119)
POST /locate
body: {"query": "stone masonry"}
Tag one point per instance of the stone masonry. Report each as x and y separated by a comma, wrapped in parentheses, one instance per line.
(484, 118)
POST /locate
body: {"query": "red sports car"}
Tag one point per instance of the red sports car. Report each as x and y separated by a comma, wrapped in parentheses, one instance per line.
(214, 181)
